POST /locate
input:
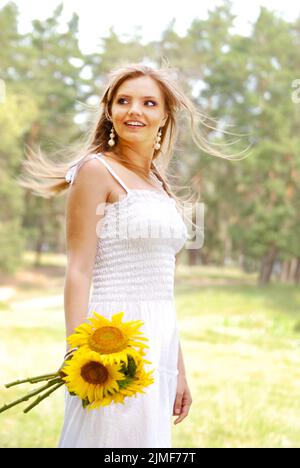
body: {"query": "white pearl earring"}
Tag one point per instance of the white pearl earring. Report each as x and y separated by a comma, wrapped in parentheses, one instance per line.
(157, 141)
(111, 141)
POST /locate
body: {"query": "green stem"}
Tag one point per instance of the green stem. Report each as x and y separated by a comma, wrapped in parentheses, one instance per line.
(42, 397)
(29, 395)
(36, 379)
(41, 378)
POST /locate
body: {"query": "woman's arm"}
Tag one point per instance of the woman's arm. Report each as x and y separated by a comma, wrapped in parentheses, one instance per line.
(84, 210)
(183, 398)
(181, 368)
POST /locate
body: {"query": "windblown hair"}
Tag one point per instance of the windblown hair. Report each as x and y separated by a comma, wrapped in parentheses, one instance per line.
(38, 166)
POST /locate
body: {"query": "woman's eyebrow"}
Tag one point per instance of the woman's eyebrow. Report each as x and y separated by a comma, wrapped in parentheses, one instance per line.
(143, 97)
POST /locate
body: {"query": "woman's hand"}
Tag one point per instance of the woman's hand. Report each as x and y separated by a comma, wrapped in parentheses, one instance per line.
(183, 399)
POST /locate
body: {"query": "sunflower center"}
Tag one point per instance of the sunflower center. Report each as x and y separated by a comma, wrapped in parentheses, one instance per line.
(107, 340)
(94, 373)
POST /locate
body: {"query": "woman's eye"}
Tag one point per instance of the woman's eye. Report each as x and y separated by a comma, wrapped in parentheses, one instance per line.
(122, 99)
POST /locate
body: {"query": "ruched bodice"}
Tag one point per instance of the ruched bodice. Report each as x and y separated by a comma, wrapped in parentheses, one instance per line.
(139, 239)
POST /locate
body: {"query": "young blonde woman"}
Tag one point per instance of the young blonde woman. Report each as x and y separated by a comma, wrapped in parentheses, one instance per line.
(123, 169)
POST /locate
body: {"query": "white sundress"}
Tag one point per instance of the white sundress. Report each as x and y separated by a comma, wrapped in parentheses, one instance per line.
(134, 273)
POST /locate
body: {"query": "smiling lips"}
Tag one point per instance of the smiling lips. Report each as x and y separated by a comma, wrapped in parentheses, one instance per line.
(134, 123)
(134, 126)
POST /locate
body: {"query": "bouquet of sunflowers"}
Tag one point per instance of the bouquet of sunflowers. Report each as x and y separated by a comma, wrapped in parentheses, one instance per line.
(105, 365)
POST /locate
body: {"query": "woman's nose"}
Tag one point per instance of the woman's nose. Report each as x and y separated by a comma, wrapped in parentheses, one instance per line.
(135, 108)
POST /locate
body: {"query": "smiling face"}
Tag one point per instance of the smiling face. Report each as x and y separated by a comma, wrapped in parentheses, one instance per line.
(140, 100)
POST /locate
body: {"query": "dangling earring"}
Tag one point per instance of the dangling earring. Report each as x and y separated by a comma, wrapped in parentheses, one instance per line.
(157, 141)
(111, 141)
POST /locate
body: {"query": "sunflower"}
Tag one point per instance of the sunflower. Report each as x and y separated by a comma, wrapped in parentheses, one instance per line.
(90, 378)
(114, 340)
(140, 380)
(135, 379)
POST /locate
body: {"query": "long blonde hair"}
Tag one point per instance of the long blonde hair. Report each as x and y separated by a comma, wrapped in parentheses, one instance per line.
(38, 166)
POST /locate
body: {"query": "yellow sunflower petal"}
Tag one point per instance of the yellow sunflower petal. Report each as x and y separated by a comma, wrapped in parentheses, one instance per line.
(99, 321)
(84, 327)
(117, 318)
(99, 392)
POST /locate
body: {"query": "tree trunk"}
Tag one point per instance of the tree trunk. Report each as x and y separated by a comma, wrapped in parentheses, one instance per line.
(292, 269)
(204, 257)
(286, 266)
(267, 265)
(297, 271)
(39, 244)
(192, 257)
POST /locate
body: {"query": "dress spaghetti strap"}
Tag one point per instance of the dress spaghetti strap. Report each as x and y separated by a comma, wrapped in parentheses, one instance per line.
(73, 170)
(100, 158)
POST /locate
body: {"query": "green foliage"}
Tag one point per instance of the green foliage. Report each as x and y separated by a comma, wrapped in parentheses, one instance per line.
(243, 81)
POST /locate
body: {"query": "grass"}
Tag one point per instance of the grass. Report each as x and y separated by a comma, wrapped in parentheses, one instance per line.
(240, 345)
(241, 348)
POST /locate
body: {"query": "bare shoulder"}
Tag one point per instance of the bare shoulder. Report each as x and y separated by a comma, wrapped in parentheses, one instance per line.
(91, 180)
(92, 170)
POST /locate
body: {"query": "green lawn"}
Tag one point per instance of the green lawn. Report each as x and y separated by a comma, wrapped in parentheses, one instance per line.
(240, 346)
